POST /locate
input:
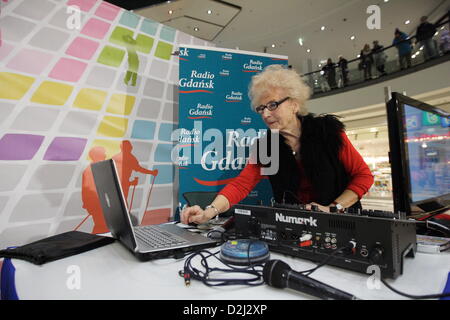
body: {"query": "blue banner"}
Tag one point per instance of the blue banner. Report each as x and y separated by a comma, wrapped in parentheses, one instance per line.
(216, 123)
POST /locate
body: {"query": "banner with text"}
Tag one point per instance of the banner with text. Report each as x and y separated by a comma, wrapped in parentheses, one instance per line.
(216, 123)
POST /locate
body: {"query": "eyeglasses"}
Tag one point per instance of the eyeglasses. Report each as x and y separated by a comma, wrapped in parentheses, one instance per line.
(270, 106)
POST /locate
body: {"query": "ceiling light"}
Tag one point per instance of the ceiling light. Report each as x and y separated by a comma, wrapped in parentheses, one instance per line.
(273, 45)
(170, 11)
(196, 29)
(358, 56)
(407, 21)
(300, 41)
(373, 130)
(209, 11)
(323, 28)
(309, 50)
(386, 1)
(352, 38)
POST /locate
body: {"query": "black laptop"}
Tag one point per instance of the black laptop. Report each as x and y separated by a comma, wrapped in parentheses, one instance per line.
(145, 242)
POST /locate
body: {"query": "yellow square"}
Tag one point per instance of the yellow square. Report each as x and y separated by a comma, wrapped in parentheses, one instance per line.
(90, 99)
(14, 86)
(111, 147)
(121, 104)
(113, 127)
(52, 93)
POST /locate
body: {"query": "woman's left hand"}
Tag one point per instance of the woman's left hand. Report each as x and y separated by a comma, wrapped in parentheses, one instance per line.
(320, 207)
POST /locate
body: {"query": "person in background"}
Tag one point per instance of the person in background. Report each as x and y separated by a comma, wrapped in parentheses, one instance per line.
(404, 47)
(330, 73)
(379, 57)
(424, 37)
(318, 165)
(367, 62)
(343, 65)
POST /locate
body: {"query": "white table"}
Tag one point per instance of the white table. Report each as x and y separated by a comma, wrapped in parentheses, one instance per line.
(112, 272)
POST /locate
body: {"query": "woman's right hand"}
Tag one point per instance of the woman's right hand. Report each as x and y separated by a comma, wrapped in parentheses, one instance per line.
(197, 215)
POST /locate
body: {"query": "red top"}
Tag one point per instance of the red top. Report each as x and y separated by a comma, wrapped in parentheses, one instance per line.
(360, 182)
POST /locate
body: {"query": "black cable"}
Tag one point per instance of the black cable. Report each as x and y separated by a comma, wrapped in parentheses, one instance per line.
(324, 262)
(333, 255)
(435, 226)
(428, 296)
(205, 277)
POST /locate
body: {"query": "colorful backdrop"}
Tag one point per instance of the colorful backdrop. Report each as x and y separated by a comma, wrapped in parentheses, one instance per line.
(83, 81)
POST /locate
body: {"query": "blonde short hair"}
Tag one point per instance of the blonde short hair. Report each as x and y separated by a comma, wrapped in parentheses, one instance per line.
(277, 76)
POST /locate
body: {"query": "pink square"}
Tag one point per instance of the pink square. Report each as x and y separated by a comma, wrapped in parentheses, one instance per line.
(30, 61)
(85, 5)
(5, 49)
(82, 48)
(68, 70)
(95, 28)
(107, 11)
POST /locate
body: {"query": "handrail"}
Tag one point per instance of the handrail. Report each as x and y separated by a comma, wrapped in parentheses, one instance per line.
(437, 25)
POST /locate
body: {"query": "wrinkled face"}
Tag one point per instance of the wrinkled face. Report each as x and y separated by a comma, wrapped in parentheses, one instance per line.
(282, 118)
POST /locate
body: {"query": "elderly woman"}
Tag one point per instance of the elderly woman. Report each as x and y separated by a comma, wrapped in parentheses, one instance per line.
(317, 163)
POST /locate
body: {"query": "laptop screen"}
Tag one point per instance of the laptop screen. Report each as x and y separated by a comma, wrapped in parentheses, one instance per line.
(112, 201)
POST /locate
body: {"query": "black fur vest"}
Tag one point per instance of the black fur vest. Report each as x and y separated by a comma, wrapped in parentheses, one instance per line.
(320, 143)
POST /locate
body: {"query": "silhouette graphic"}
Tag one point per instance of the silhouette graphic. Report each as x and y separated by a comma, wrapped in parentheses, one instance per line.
(126, 163)
(89, 196)
(133, 60)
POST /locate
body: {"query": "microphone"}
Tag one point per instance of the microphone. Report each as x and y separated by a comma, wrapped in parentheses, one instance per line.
(278, 274)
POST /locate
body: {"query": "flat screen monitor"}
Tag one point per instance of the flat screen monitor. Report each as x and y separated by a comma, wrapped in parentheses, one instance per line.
(419, 141)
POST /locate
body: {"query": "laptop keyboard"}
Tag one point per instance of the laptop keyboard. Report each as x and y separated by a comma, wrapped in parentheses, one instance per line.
(157, 238)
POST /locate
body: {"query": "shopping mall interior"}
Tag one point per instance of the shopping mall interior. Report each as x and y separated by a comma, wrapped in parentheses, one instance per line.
(311, 32)
(80, 80)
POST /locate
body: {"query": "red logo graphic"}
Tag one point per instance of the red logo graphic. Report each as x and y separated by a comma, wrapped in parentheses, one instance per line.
(203, 117)
(196, 91)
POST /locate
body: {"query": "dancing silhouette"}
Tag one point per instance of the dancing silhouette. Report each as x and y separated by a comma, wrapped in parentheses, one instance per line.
(133, 60)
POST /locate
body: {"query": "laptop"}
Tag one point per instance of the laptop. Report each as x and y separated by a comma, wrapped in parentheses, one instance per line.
(145, 242)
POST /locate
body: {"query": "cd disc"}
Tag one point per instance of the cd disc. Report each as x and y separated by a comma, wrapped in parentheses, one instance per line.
(244, 251)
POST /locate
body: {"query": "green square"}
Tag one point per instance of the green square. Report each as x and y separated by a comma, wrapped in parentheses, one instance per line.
(164, 50)
(118, 34)
(111, 56)
(144, 43)
(430, 119)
